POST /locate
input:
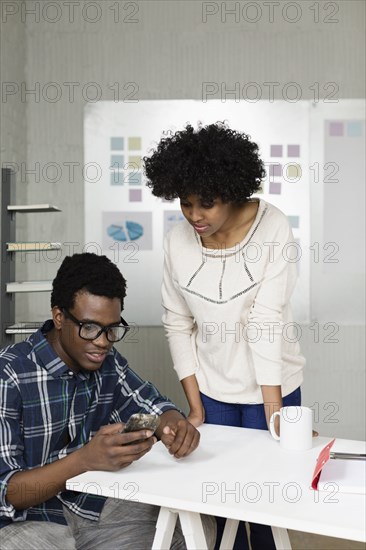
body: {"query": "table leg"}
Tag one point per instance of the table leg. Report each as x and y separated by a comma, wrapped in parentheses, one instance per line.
(192, 530)
(281, 538)
(164, 529)
(229, 534)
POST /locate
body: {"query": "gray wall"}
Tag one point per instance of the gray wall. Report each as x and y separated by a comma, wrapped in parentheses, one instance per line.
(13, 132)
(167, 50)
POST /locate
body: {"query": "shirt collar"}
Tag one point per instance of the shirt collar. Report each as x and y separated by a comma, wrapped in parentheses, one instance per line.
(48, 358)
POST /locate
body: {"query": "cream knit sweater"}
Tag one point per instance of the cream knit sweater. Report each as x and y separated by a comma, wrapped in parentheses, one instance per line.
(226, 312)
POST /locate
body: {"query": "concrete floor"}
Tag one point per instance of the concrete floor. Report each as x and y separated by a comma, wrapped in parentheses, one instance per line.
(307, 541)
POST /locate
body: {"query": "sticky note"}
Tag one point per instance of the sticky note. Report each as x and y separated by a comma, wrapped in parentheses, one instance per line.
(293, 171)
(276, 150)
(293, 150)
(135, 195)
(117, 143)
(354, 128)
(134, 178)
(336, 129)
(294, 221)
(117, 162)
(275, 170)
(134, 143)
(117, 178)
(135, 160)
(275, 187)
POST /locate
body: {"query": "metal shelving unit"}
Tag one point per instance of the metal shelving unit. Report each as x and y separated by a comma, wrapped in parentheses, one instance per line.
(8, 285)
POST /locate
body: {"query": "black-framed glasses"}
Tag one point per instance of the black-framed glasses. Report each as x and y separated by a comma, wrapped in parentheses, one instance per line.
(91, 331)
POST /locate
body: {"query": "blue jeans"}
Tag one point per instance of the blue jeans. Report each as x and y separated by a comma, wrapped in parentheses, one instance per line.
(244, 416)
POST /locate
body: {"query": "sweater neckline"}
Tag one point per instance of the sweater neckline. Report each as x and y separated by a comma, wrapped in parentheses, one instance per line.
(212, 252)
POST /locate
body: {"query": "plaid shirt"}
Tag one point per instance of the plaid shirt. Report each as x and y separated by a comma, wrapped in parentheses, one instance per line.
(47, 411)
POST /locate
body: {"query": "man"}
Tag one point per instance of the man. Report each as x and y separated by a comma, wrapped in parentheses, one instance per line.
(66, 393)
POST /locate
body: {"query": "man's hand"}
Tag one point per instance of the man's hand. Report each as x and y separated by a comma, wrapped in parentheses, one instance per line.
(108, 450)
(178, 435)
(112, 450)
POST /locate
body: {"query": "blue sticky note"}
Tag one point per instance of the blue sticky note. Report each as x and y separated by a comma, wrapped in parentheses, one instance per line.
(117, 162)
(354, 128)
(294, 221)
(134, 178)
(117, 178)
(117, 143)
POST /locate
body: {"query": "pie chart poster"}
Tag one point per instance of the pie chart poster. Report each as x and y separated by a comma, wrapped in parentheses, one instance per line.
(127, 227)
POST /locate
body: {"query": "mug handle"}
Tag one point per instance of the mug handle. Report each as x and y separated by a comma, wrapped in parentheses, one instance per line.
(271, 425)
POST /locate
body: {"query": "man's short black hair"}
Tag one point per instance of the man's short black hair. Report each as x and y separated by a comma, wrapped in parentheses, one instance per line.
(212, 162)
(89, 272)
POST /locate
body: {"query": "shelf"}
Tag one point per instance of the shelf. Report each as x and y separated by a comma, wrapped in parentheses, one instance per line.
(33, 208)
(23, 328)
(27, 247)
(29, 286)
(11, 247)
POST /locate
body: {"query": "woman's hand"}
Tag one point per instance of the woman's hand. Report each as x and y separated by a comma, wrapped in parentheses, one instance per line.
(196, 417)
(196, 411)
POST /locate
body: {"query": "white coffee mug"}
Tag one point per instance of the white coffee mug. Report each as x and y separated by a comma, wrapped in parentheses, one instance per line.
(296, 428)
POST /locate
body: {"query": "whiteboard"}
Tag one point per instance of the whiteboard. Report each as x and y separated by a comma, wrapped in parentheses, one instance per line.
(124, 221)
(337, 190)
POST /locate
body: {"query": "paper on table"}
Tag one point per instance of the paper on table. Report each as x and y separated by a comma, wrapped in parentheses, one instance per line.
(346, 476)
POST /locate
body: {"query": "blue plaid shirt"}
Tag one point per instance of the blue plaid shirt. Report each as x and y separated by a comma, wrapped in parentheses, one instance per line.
(47, 411)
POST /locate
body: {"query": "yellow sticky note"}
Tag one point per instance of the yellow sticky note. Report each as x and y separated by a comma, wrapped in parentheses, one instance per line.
(134, 143)
(135, 160)
(294, 171)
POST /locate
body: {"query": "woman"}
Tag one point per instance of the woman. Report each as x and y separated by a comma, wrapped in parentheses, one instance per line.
(229, 273)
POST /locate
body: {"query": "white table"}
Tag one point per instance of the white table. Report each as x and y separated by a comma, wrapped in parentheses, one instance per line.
(240, 474)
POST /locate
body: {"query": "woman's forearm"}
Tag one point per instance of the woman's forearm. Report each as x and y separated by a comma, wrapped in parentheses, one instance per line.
(272, 401)
(191, 389)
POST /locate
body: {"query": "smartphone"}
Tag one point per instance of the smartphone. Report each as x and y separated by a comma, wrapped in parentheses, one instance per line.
(141, 422)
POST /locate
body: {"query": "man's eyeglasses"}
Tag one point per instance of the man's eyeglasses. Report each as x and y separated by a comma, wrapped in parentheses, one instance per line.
(92, 331)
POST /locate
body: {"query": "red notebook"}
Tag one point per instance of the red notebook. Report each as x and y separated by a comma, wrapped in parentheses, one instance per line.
(322, 460)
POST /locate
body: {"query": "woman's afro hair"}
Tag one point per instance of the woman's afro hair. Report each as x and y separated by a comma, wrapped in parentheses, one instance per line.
(86, 272)
(211, 162)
